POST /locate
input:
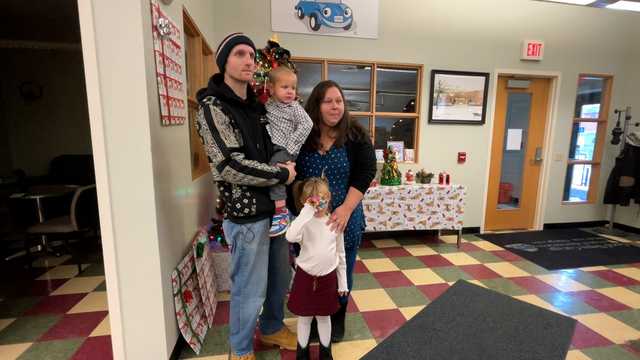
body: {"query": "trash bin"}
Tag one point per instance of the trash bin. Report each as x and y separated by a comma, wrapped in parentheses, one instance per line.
(504, 196)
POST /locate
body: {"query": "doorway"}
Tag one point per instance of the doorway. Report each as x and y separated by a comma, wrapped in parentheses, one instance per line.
(53, 295)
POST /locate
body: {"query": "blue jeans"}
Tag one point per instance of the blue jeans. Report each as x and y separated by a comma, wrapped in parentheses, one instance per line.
(260, 276)
(350, 256)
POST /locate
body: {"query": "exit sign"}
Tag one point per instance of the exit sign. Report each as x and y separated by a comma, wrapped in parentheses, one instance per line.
(532, 50)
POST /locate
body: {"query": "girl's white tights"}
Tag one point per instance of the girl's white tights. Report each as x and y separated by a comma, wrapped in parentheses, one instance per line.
(304, 329)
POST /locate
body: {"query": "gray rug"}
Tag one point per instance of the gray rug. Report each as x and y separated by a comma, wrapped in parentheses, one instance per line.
(556, 249)
(471, 322)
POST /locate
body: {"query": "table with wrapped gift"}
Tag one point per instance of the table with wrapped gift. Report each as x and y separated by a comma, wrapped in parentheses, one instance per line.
(415, 207)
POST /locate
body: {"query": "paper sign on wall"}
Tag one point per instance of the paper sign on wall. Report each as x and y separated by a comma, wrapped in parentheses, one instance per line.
(514, 139)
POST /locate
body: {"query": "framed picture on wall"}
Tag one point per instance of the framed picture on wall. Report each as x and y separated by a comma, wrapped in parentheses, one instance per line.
(409, 155)
(351, 18)
(398, 149)
(458, 97)
(379, 155)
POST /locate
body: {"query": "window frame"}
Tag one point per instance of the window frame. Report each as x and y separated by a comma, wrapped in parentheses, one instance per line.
(200, 65)
(601, 121)
(372, 113)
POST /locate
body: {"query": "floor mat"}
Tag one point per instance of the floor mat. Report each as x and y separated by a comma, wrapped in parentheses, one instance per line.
(566, 248)
(471, 322)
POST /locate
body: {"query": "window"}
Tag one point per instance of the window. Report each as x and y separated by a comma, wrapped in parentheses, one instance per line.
(384, 98)
(587, 138)
(309, 74)
(200, 65)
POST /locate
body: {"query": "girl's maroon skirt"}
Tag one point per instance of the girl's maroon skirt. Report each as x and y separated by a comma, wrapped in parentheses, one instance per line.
(314, 295)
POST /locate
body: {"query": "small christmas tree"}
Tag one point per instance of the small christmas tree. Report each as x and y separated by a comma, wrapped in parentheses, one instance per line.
(390, 173)
(267, 59)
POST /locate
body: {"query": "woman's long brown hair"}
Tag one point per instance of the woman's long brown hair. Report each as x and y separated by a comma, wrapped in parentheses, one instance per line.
(346, 127)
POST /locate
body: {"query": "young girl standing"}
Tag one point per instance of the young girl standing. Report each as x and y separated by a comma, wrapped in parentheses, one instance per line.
(321, 267)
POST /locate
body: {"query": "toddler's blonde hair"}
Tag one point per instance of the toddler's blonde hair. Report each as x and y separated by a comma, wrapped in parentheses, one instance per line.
(280, 72)
(314, 186)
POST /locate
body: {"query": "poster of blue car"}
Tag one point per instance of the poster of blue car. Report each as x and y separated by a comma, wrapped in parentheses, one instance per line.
(352, 18)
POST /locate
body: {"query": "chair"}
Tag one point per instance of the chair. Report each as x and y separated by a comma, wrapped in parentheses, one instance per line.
(16, 216)
(82, 219)
(71, 169)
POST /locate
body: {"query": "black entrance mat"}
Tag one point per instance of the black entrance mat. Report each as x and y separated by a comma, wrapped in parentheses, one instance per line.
(469, 322)
(566, 248)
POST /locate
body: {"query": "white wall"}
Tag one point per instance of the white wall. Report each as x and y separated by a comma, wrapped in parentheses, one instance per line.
(479, 36)
(631, 215)
(35, 129)
(150, 206)
(182, 204)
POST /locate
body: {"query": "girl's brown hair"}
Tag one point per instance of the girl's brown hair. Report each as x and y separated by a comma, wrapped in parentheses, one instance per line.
(346, 127)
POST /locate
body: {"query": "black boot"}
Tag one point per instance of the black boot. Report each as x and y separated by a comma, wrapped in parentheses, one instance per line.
(302, 353)
(325, 352)
(337, 324)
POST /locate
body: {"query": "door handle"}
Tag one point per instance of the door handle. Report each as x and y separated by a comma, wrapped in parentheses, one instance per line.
(538, 156)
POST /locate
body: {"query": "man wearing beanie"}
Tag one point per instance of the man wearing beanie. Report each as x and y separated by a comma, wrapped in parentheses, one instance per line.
(231, 123)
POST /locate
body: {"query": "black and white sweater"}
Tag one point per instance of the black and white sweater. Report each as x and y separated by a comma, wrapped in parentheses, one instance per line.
(235, 139)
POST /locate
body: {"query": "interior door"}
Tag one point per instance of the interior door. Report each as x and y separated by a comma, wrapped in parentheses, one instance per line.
(516, 155)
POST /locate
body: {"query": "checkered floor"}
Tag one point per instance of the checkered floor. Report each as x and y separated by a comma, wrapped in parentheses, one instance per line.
(397, 278)
(59, 315)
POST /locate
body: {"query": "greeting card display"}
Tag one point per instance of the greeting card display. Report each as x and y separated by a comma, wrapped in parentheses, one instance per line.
(189, 306)
(170, 67)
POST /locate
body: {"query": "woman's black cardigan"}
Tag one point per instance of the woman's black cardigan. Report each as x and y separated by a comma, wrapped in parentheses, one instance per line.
(362, 159)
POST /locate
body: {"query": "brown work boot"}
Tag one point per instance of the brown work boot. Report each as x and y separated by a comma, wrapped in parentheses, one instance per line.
(283, 338)
(249, 356)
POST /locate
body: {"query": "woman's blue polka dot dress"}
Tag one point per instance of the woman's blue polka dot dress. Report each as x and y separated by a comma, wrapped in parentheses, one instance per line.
(335, 164)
